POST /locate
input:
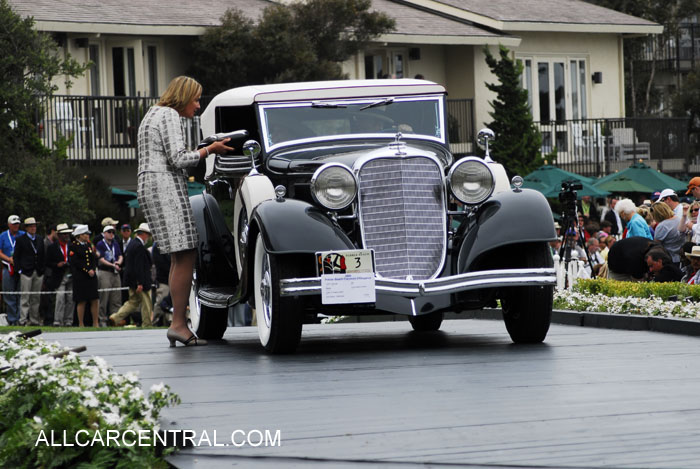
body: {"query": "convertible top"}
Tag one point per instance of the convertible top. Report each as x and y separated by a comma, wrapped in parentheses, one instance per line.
(316, 90)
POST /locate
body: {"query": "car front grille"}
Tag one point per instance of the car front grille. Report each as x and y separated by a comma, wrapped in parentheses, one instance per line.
(402, 212)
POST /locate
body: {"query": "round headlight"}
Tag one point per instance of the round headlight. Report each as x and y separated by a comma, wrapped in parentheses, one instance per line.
(334, 186)
(471, 180)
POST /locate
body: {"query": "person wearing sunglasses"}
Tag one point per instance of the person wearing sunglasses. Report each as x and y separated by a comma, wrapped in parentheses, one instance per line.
(109, 267)
(691, 222)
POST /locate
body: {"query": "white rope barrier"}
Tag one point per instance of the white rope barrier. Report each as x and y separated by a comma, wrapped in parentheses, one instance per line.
(56, 291)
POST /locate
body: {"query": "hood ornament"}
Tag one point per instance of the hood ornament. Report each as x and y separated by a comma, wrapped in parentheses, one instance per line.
(398, 144)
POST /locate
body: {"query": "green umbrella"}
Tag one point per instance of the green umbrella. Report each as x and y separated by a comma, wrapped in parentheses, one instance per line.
(622, 184)
(551, 175)
(588, 189)
(645, 180)
(547, 179)
(121, 192)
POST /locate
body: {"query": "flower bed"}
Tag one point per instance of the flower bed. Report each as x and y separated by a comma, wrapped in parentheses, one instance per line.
(60, 412)
(646, 299)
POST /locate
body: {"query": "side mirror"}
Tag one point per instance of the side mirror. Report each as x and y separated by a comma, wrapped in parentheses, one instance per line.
(483, 138)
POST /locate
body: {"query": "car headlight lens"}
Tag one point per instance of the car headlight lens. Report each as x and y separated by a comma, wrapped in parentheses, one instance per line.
(471, 181)
(334, 186)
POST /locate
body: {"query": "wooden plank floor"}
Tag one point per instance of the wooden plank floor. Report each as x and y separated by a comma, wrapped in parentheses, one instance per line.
(380, 395)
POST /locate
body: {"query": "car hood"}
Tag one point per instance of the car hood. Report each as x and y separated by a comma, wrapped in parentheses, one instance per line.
(308, 159)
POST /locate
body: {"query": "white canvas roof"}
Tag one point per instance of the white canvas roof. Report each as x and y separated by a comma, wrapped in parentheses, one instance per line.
(339, 89)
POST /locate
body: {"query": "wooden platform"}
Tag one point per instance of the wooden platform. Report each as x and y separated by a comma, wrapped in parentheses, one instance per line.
(377, 394)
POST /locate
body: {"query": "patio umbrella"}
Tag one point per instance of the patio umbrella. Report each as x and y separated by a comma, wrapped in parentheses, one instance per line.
(588, 189)
(549, 175)
(547, 179)
(622, 184)
(645, 180)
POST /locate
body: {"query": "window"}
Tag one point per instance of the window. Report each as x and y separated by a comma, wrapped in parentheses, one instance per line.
(123, 71)
(94, 54)
(561, 94)
(152, 68)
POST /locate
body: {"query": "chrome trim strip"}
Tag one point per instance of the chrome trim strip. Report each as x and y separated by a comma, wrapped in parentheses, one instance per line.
(544, 276)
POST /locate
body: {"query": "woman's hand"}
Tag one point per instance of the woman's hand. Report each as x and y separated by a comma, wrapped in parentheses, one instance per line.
(219, 147)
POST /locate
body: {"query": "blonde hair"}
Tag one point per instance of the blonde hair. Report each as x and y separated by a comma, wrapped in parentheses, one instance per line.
(645, 213)
(181, 91)
(660, 211)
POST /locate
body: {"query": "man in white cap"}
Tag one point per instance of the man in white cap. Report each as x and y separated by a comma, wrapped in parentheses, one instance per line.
(670, 198)
(60, 281)
(106, 221)
(10, 278)
(30, 261)
(109, 266)
(137, 276)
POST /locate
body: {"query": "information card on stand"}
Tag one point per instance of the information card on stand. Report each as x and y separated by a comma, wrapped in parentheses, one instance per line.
(346, 276)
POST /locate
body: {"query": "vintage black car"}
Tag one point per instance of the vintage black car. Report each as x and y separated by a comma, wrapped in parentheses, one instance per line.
(348, 201)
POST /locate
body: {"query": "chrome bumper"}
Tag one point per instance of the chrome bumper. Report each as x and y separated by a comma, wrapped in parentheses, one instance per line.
(438, 286)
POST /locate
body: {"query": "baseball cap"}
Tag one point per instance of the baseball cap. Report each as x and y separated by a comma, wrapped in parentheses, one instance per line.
(108, 228)
(655, 196)
(125, 226)
(666, 193)
(109, 221)
(695, 182)
(12, 219)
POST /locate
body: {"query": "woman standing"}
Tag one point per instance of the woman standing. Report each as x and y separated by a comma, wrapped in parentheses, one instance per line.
(667, 230)
(83, 264)
(162, 191)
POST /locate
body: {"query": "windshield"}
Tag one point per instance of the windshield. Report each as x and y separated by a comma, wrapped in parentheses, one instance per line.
(374, 117)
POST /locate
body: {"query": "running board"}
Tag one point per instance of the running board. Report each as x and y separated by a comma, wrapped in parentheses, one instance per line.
(217, 297)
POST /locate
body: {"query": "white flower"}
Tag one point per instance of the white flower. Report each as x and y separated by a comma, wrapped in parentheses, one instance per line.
(160, 387)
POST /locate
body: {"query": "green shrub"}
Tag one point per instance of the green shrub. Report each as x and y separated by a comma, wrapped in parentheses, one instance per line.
(608, 287)
(42, 396)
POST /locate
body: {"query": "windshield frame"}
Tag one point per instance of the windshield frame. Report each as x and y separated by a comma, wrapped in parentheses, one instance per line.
(359, 102)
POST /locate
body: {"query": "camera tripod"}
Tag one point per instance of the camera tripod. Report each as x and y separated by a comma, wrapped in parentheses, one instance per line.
(570, 228)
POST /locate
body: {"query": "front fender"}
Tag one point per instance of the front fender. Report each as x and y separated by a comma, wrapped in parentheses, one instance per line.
(290, 226)
(507, 218)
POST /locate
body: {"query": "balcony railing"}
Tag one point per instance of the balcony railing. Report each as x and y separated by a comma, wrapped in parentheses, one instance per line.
(99, 128)
(596, 147)
(676, 49)
(103, 128)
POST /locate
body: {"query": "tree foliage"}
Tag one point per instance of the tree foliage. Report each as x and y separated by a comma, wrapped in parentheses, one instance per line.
(641, 97)
(302, 41)
(36, 180)
(518, 142)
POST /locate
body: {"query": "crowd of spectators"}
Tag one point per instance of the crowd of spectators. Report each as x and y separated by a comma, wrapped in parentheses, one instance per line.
(67, 278)
(657, 240)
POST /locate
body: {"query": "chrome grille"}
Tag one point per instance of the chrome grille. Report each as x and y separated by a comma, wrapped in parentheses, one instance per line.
(402, 212)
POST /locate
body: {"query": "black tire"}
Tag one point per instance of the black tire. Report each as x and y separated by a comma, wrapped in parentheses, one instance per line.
(527, 311)
(427, 322)
(207, 322)
(279, 318)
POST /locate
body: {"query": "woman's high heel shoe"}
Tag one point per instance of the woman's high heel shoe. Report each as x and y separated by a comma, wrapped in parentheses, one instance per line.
(191, 341)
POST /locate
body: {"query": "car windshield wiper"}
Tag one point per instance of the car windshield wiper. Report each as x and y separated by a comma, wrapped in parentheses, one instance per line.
(383, 102)
(327, 105)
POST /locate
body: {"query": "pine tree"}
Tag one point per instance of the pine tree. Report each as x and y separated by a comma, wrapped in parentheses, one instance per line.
(518, 142)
